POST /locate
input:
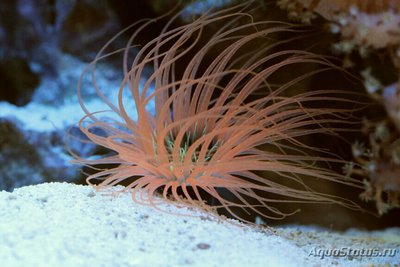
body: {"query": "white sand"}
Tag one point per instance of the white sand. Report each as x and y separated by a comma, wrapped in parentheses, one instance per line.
(60, 224)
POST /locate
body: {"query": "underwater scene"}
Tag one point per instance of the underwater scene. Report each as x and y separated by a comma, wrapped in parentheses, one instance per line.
(200, 133)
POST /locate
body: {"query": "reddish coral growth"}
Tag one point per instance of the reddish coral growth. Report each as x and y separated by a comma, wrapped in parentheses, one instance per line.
(367, 27)
(370, 23)
(209, 126)
(379, 165)
(380, 168)
(329, 8)
(384, 178)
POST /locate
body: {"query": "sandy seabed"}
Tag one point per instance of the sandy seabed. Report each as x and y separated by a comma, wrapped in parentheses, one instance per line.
(61, 224)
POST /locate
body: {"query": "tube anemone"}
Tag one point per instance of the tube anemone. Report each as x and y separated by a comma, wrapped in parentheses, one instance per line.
(219, 122)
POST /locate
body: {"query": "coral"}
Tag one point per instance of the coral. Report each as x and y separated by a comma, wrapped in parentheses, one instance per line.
(391, 101)
(380, 164)
(368, 27)
(220, 122)
(380, 167)
(373, 24)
